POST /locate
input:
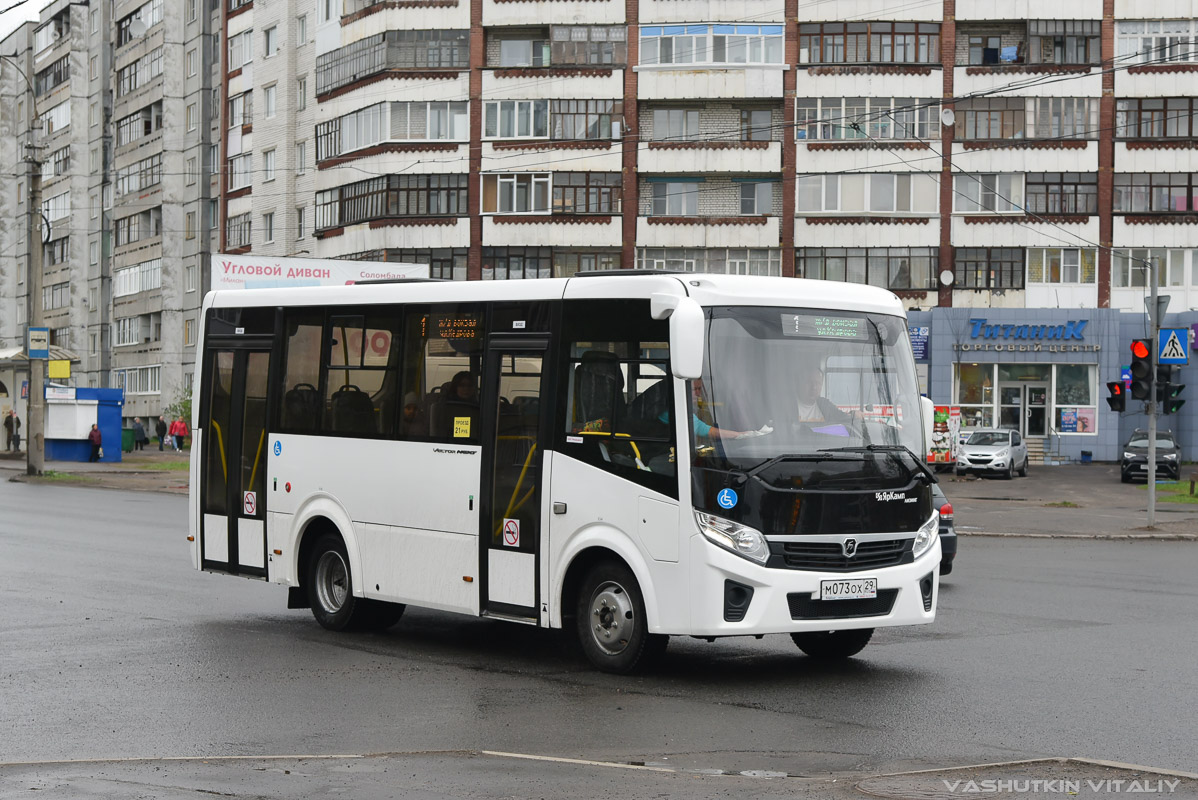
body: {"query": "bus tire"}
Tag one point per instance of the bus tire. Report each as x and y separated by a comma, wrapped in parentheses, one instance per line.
(612, 627)
(330, 586)
(833, 645)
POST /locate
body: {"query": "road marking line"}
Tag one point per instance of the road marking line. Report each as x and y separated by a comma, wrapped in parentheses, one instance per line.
(1051, 760)
(579, 761)
(135, 759)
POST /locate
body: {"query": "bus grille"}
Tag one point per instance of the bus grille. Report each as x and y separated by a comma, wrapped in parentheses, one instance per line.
(803, 607)
(829, 556)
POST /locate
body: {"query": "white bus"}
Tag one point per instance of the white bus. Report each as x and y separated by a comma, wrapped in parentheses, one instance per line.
(630, 455)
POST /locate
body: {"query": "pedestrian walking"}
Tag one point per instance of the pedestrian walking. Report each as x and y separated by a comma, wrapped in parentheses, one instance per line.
(160, 429)
(96, 439)
(181, 433)
(139, 434)
(174, 434)
(12, 430)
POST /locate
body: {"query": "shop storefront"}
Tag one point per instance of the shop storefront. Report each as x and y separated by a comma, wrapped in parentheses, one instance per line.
(1039, 371)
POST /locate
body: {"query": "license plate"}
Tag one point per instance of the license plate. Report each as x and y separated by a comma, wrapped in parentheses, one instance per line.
(855, 589)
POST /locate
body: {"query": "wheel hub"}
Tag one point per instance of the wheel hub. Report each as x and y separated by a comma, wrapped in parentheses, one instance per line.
(612, 620)
(332, 581)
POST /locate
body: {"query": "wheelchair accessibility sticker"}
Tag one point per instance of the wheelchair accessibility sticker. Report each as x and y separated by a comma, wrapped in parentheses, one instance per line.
(726, 498)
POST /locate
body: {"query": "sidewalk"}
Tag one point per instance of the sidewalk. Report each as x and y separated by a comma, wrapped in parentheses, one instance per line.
(144, 470)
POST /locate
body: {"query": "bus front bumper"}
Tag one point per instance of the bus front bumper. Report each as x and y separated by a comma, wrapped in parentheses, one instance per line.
(737, 597)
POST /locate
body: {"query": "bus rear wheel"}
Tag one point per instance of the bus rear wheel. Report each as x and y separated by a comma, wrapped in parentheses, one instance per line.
(831, 645)
(330, 589)
(611, 623)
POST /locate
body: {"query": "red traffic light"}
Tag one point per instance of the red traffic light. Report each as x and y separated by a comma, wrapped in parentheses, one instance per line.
(1139, 348)
(1116, 388)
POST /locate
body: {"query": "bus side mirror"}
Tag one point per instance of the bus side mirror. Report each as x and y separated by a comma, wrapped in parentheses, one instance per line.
(686, 333)
(928, 411)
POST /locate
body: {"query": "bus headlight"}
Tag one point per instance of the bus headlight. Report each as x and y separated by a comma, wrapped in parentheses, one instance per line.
(740, 539)
(926, 536)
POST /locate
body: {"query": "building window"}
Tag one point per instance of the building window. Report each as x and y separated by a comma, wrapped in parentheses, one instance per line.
(994, 118)
(93, 114)
(56, 251)
(93, 253)
(516, 193)
(56, 119)
(239, 230)
(93, 67)
(241, 170)
(57, 207)
(150, 14)
(571, 262)
(836, 118)
(193, 10)
(587, 192)
(143, 277)
(1062, 265)
(1130, 268)
(712, 44)
(299, 222)
(56, 296)
(139, 73)
(192, 69)
(514, 263)
(301, 157)
(1062, 192)
(139, 124)
(241, 49)
(268, 165)
(894, 268)
(585, 119)
(397, 121)
(756, 124)
(989, 268)
(516, 119)
(392, 196)
(1155, 41)
(585, 45)
(757, 261)
(137, 380)
(301, 30)
(869, 42)
(675, 199)
(192, 121)
(52, 76)
(269, 94)
(192, 173)
(524, 52)
(60, 337)
(189, 338)
(139, 176)
(1155, 193)
(756, 198)
(1064, 41)
(189, 225)
(57, 163)
(268, 227)
(988, 193)
(399, 49)
(903, 193)
(301, 93)
(241, 110)
(189, 278)
(270, 40)
(1156, 118)
(677, 124)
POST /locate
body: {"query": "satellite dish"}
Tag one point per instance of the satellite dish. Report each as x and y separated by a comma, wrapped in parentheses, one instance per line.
(137, 28)
(946, 277)
(948, 117)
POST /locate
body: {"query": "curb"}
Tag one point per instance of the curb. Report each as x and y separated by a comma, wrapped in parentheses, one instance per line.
(1163, 536)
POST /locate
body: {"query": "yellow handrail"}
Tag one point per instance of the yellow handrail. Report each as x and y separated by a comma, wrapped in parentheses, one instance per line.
(220, 442)
(257, 457)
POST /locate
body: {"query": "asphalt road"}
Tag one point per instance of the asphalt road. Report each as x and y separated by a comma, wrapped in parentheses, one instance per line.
(112, 647)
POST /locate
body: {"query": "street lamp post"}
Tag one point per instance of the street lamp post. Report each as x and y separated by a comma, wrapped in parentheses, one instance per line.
(35, 451)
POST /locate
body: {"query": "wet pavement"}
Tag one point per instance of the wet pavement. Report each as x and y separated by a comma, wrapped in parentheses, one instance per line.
(113, 647)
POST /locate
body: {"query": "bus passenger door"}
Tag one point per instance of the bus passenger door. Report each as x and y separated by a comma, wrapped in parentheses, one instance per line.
(511, 510)
(232, 486)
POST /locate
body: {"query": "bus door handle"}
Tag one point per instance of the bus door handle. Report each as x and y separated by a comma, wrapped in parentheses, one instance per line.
(559, 508)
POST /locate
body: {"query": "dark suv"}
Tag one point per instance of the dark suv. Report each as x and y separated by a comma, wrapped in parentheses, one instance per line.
(1135, 456)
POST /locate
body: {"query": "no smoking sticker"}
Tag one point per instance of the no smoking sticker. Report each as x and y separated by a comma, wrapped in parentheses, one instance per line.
(249, 503)
(511, 533)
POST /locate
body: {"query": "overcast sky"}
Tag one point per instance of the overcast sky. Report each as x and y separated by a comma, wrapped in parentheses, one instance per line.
(15, 13)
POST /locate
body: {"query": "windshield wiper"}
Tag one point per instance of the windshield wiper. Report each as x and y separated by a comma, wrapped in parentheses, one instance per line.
(821, 455)
(886, 448)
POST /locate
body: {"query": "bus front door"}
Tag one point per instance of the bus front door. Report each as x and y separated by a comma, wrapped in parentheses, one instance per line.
(511, 511)
(233, 481)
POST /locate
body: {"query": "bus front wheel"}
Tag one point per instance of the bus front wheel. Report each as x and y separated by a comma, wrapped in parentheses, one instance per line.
(612, 627)
(830, 645)
(330, 589)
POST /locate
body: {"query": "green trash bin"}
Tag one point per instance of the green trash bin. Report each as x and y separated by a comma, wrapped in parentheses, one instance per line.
(127, 439)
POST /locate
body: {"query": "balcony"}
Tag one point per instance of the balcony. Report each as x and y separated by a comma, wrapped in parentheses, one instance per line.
(553, 12)
(708, 232)
(731, 157)
(579, 156)
(553, 83)
(556, 230)
(1026, 9)
(669, 82)
(867, 231)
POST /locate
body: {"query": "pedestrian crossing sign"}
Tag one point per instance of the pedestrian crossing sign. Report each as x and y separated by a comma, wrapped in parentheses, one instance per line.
(1174, 346)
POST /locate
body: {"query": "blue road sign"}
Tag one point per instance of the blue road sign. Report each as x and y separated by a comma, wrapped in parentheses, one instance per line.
(1173, 346)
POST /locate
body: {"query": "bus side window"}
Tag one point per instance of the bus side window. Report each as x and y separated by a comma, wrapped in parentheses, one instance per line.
(618, 392)
(362, 378)
(300, 412)
(441, 373)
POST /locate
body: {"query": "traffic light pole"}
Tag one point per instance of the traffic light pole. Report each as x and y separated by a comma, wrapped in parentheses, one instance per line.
(1154, 325)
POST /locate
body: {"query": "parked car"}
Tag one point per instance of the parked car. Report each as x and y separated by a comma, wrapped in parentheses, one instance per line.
(1134, 463)
(993, 450)
(948, 534)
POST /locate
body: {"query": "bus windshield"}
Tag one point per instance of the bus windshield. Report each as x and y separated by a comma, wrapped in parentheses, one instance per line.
(782, 382)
